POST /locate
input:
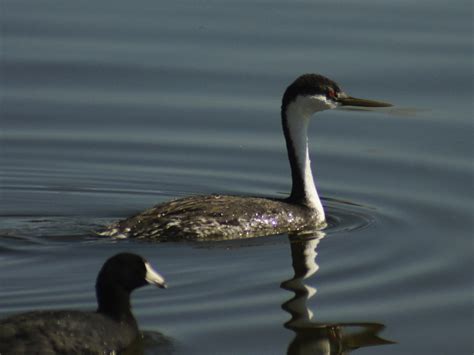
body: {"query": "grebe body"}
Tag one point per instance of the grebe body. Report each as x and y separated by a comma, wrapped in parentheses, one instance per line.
(220, 217)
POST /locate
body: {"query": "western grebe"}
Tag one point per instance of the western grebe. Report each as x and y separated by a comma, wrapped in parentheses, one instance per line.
(219, 217)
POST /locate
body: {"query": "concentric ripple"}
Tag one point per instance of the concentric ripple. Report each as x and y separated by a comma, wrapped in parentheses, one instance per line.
(344, 216)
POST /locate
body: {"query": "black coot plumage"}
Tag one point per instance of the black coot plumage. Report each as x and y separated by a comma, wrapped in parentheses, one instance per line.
(110, 329)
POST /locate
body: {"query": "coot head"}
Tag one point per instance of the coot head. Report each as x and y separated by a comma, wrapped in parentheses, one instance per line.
(119, 276)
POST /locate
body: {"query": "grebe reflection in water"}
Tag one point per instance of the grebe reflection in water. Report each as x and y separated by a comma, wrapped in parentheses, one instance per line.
(319, 338)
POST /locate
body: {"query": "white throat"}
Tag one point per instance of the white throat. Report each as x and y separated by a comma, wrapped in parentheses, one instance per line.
(298, 114)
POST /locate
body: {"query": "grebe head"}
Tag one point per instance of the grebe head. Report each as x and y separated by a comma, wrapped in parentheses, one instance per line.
(311, 93)
(308, 94)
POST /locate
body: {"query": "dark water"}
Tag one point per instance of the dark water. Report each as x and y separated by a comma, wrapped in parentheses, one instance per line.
(108, 107)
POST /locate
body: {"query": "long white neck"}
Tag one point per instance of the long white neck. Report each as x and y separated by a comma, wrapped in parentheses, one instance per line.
(296, 118)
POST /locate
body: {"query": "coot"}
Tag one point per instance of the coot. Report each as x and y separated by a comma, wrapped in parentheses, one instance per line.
(110, 329)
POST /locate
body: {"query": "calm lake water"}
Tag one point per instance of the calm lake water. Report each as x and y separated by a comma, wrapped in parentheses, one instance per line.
(108, 107)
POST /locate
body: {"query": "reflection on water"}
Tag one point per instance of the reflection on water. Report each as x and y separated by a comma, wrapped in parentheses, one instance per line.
(313, 337)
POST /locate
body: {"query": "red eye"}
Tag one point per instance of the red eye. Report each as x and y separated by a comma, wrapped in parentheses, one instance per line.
(331, 93)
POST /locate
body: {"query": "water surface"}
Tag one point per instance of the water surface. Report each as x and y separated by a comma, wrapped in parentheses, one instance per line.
(108, 108)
